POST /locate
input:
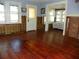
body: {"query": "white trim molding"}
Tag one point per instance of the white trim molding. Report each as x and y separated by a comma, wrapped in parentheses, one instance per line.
(75, 15)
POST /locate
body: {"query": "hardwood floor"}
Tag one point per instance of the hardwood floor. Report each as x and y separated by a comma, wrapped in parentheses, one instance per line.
(38, 45)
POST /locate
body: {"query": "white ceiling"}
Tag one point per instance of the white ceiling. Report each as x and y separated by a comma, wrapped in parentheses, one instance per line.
(34, 1)
(43, 0)
(40, 0)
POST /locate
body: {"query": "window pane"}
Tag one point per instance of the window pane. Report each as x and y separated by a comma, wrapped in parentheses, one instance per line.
(52, 12)
(51, 18)
(58, 19)
(59, 12)
(64, 12)
(2, 18)
(1, 8)
(58, 16)
(63, 20)
(14, 8)
(64, 16)
(14, 17)
(32, 13)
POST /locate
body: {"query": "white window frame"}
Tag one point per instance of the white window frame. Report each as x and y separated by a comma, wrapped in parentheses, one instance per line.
(12, 3)
(50, 21)
(4, 14)
(12, 12)
(7, 5)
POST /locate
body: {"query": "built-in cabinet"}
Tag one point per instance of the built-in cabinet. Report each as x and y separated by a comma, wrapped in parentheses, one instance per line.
(72, 29)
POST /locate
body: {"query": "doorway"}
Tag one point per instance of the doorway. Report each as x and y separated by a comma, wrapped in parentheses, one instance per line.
(56, 16)
(31, 22)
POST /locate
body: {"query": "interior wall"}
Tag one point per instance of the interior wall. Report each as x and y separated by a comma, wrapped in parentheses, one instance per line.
(72, 28)
(13, 28)
(56, 25)
(39, 6)
(19, 27)
(40, 19)
(72, 8)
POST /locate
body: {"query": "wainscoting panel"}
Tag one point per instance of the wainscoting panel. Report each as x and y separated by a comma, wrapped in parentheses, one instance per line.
(2, 29)
(73, 26)
(13, 28)
(40, 23)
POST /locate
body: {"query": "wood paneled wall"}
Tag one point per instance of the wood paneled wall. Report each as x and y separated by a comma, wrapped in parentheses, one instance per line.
(73, 27)
(40, 23)
(13, 28)
(20, 27)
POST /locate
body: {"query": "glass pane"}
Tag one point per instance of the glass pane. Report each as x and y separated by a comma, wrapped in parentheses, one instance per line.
(2, 18)
(64, 12)
(58, 19)
(32, 13)
(59, 12)
(52, 12)
(58, 16)
(1, 8)
(64, 16)
(51, 19)
(63, 20)
(14, 17)
(14, 8)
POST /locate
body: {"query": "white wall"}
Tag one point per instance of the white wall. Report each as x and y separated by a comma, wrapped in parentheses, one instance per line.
(23, 3)
(39, 6)
(72, 8)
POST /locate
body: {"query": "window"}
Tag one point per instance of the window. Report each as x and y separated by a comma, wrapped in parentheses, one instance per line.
(2, 13)
(14, 15)
(10, 12)
(52, 15)
(32, 13)
(60, 15)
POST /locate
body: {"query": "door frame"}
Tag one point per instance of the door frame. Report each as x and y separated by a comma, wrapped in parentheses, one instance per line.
(47, 8)
(27, 14)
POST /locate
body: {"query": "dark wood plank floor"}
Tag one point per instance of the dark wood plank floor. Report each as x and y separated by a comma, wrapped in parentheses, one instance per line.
(38, 45)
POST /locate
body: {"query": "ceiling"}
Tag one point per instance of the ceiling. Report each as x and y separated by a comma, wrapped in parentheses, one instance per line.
(40, 0)
(43, 0)
(34, 1)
